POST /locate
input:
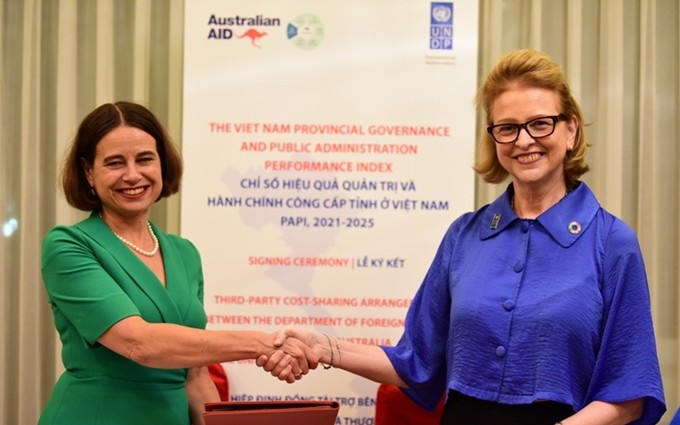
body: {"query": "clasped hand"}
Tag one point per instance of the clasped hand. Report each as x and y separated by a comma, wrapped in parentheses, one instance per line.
(296, 352)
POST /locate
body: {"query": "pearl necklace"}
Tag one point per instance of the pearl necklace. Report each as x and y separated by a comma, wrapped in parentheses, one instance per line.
(135, 247)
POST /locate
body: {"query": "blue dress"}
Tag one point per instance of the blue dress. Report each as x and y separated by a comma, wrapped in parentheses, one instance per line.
(516, 310)
(94, 281)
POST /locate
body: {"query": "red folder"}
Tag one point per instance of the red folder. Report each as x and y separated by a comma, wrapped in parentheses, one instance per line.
(271, 412)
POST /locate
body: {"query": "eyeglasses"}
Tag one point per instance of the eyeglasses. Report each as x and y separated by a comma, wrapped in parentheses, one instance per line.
(536, 128)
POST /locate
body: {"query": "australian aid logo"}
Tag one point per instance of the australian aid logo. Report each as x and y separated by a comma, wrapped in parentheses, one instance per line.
(249, 29)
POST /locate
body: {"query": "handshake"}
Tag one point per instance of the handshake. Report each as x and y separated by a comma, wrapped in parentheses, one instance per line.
(296, 351)
(292, 352)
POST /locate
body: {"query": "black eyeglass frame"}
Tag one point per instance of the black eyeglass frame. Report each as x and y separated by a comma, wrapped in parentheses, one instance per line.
(519, 127)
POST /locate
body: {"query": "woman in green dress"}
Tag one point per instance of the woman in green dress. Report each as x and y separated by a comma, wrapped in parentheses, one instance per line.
(127, 298)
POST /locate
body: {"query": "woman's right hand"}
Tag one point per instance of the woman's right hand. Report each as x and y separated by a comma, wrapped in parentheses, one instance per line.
(291, 358)
(297, 352)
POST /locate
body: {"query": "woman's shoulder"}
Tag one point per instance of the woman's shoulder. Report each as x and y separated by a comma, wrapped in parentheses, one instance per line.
(63, 232)
(611, 228)
(462, 225)
(616, 239)
(620, 239)
(615, 229)
(481, 214)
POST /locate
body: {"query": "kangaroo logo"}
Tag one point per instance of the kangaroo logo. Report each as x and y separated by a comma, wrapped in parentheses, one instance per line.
(254, 35)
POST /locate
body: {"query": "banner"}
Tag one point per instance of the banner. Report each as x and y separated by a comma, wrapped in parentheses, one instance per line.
(328, 146)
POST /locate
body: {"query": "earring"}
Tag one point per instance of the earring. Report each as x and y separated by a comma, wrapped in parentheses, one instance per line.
(93, 192)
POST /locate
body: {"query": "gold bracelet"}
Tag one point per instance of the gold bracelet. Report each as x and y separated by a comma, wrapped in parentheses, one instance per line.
(337, 345)
(330, 364)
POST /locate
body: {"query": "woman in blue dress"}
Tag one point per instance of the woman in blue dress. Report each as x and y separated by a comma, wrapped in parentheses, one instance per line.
(535, 309)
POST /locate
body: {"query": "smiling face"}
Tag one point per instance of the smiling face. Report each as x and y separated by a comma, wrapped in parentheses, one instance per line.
(533, 164)
(126, 172)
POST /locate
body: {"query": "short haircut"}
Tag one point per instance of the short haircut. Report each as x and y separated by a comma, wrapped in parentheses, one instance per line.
(528, 68)
(94, 127)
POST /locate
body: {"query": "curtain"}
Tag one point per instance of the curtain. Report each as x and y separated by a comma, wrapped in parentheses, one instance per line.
(62, 58)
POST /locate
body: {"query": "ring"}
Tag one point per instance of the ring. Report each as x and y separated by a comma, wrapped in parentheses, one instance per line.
(297, 375)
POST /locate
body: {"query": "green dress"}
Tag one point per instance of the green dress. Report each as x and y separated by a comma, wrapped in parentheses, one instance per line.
(92, 282)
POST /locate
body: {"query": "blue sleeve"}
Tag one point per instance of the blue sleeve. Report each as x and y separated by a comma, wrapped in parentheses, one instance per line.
(420, 355)
(627, 365)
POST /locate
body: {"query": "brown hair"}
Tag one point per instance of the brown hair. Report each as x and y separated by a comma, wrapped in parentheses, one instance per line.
(93, 128)
(529, 68)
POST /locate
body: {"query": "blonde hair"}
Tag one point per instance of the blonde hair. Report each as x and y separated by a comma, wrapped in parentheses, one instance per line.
(528, 68)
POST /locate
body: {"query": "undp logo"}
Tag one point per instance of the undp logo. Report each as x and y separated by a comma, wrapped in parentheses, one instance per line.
(441, 26)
